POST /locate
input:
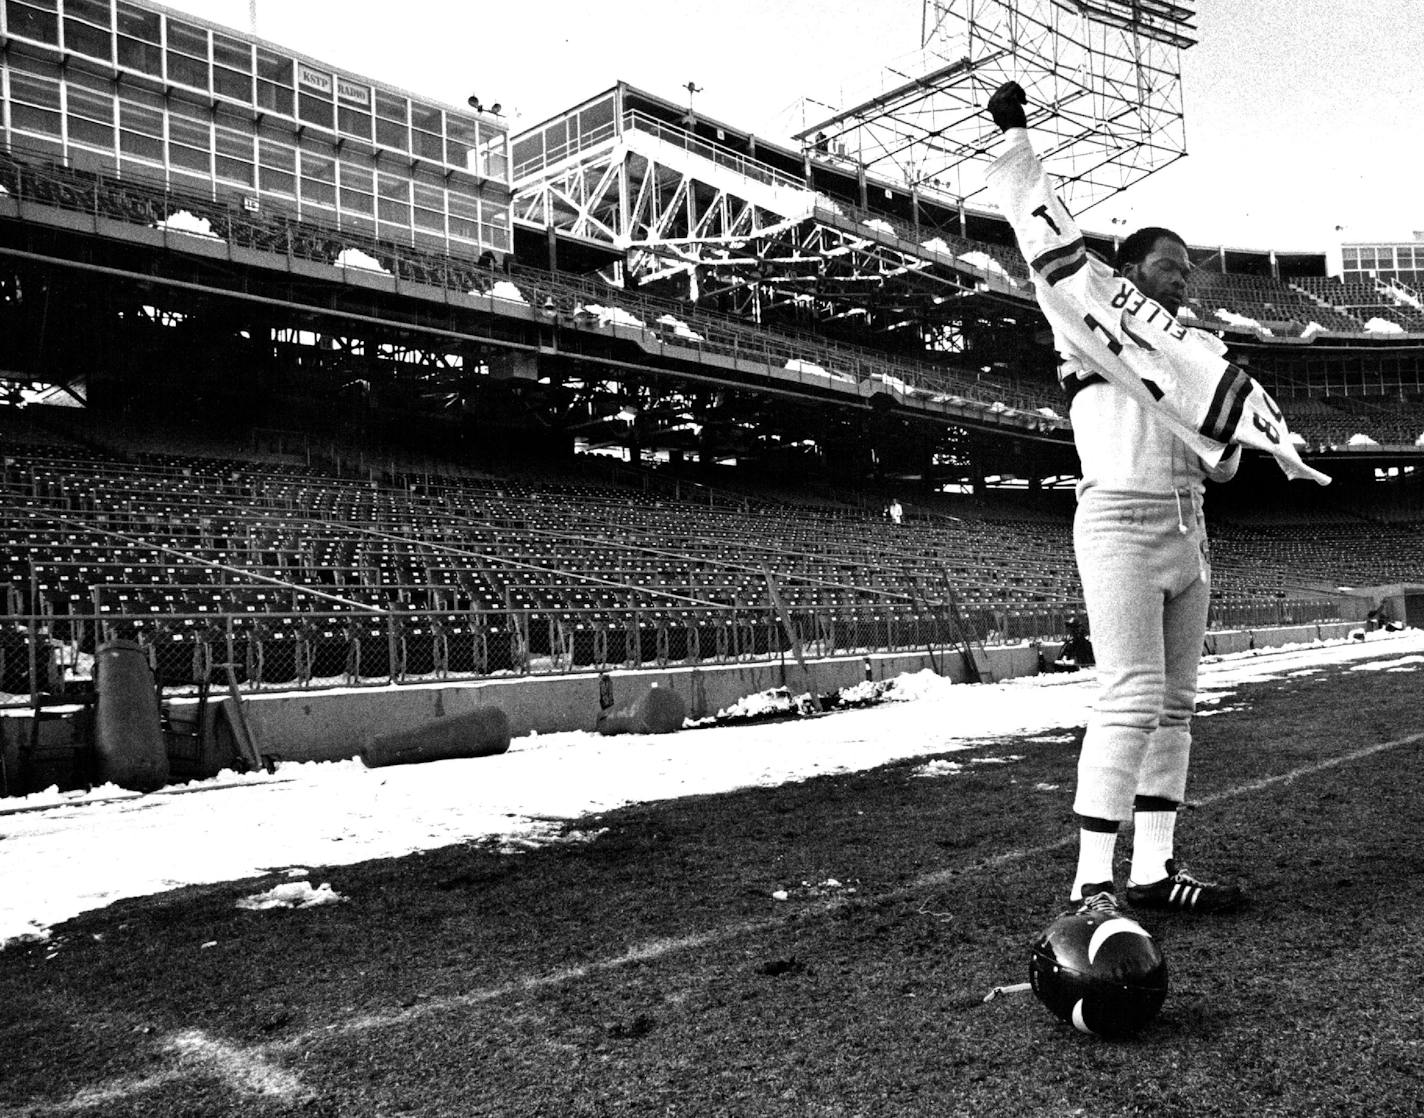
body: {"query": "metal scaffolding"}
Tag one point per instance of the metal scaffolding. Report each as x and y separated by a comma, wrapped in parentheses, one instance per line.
(1103, 79)
(711, 223)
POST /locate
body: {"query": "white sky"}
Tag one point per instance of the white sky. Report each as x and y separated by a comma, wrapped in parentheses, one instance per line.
(64, 854)
(1302, 115)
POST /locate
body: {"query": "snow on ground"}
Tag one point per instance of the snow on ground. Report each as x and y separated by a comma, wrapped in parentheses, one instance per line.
(66, 853)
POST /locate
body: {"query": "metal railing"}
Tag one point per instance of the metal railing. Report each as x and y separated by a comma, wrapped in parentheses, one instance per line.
(286, 650)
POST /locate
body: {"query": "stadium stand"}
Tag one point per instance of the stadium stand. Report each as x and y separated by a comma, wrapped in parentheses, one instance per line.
(1362, 300)
(300, 576)
(1275, 305)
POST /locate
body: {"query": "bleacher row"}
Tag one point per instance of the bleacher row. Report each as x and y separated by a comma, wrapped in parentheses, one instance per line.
(198, 556)
(1288, 307)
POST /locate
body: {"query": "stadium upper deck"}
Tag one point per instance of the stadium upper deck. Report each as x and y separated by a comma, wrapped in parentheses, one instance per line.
(119, 85)
(770, 225)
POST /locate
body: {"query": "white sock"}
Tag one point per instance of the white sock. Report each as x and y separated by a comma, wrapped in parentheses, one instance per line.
(1095, 859)
(1152, 833)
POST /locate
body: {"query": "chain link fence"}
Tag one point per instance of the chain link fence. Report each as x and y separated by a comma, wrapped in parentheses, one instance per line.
(278, 651)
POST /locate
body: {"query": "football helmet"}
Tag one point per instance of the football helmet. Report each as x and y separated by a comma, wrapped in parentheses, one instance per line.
(1100, 971)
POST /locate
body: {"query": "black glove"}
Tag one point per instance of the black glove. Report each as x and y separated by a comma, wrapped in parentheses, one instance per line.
(1006, 106)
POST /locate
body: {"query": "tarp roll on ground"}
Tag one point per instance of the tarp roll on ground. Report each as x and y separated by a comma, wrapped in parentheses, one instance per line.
(483, 732)
(128, 727)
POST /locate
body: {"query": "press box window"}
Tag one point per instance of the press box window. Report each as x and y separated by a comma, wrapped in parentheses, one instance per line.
(34, 97)
(353, 109)
(394, 201)
(187, 54)
(429, 195)
(427, 132)
(392, 122)
(357, 190)
(277, 165)
(141, 125)
(318, 180)
(34, 19)
(315, 107)
(86, 29)
(274, 82)
(91, 111)
(190, 138)
(232, 68)
(232, 148)
(139, 40)
(464, 217)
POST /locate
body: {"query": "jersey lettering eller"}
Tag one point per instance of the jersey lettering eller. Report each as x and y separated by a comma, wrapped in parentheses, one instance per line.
(1105, 327)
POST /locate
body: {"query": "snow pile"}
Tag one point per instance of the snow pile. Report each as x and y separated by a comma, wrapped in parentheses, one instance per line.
(1383, 326)
(796, 365)
(923, 684)
(609, 316)
(503, 289)
(764, 704)
(879, 225)
(4, 189)
(986, 263)
(294, 894)
(1049, 412)
(679, 328)
(185, 222)
(1240, 320)
(938, 768)
(895, 384)
(355, 258)
(1420, 440)
(867, 693)
(1400, 665)
(1361, 439)
(1311, 329)
(547, 832)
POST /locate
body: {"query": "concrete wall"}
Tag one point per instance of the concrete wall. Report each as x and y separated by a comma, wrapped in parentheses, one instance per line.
(325, 725)
(328, 725)
(335, 724)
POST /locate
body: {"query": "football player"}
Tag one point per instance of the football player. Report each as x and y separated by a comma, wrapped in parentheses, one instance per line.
(1139, 531)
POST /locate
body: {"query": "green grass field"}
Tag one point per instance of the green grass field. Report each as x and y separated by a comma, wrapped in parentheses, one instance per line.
(651, 971)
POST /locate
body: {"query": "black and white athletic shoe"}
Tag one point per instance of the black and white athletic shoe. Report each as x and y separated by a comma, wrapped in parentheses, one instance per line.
(1179, 891)
(1099, 898)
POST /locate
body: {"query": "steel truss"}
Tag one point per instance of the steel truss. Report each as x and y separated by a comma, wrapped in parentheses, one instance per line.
(1103, 79)
(743, 235)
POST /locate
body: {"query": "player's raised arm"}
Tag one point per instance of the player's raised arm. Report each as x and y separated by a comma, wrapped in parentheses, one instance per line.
(1006, 106)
